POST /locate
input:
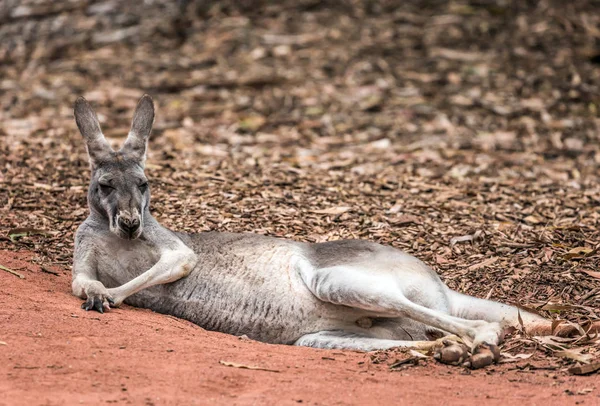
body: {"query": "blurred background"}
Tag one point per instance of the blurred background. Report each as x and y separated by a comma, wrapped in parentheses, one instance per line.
(465, 132)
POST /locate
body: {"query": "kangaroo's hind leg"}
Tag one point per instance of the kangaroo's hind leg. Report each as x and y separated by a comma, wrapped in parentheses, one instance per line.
(378, 286)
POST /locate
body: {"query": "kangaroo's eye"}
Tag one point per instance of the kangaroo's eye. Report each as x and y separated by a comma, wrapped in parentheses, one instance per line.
(106, 189)
(143, 187)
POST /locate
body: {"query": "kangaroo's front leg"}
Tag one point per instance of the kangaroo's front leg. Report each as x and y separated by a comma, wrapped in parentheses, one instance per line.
(174, 263)
(85, 280)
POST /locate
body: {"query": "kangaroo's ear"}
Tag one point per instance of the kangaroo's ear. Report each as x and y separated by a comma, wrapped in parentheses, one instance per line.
(137, 140)
(87, 122)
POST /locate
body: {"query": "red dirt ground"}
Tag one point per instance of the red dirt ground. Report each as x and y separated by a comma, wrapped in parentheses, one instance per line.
(52, 352)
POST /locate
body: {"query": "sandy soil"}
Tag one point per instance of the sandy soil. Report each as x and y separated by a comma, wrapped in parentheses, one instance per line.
(52, 352)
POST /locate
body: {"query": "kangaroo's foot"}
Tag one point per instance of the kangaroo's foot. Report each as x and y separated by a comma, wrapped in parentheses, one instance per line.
(451, 350)
(483, 355)
(455, 353)
(484, 350)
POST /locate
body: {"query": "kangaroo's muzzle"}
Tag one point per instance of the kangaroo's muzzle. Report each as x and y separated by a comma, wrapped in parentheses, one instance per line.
(129, 225)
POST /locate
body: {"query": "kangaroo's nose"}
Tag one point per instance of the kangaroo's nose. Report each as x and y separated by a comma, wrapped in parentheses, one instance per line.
(129, 224)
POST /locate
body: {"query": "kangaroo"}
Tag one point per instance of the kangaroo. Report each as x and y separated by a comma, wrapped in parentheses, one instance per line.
(350, 294)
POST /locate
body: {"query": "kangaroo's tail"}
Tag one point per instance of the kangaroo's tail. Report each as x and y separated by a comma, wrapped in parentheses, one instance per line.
(473, 308)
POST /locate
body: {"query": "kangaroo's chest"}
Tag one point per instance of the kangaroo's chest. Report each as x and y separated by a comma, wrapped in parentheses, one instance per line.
(122, 260)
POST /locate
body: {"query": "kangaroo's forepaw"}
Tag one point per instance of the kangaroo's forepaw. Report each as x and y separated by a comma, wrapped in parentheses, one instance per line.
(483, 355)
(97, 302)
(451, 352)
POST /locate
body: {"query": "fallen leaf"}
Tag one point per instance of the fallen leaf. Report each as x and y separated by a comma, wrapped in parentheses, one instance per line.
(585, 369)
(585, 391)
(42, 186)
(404, 219)
(333, 210)
(455, 55)
(579, 252)
(252, 123)
(555, 307)
(483, 264)
(564, 340)
(441, 259)
(242, 366)
(574, 355)
(462, 238)
(535, 104)
(314, 111)
(521, 324)
(532, 220)
(405, 361)
(395, 209)
(555, 324)
(574, 144)
(17, 233)
(371, 103)
(550, 343)
(417, 354)
(593, 274)
(50, 271)
(507, 358)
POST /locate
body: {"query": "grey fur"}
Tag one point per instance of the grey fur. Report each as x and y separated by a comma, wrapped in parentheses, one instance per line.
(343, 294)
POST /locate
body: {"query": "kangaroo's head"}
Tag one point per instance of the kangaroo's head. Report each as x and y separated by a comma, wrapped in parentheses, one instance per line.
(119, 189)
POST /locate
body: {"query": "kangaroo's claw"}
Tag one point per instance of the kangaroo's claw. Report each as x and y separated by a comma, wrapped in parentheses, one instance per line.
(97, 303)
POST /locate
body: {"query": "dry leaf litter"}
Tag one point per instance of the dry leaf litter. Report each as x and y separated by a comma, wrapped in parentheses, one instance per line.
(465, 133)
